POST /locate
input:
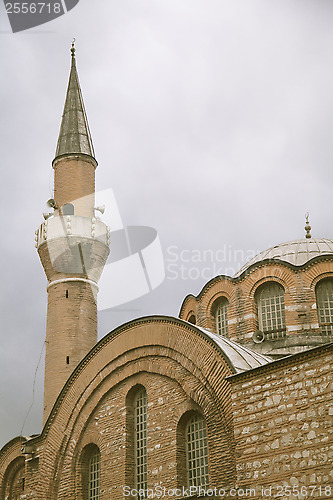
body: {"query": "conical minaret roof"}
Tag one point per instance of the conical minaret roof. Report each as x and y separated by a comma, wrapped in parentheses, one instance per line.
(74, 136)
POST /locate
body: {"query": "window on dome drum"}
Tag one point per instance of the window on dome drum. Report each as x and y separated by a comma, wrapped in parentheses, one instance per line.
(197, 452)
(191, 319)
(221, 317)
(94, 476)
(140, 440)
(324, 297)
(271, 314)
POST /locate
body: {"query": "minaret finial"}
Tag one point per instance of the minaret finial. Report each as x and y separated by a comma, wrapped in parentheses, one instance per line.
(307, 226)
(73, 48)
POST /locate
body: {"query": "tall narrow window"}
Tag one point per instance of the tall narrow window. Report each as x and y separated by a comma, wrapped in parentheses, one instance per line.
(324, 296)
(94, 476)
(221, 317)
(197, 452)
(271, 315)
(140, 440)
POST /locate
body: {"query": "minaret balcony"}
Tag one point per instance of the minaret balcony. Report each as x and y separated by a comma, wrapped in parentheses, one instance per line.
(68, 226)
(72, 245)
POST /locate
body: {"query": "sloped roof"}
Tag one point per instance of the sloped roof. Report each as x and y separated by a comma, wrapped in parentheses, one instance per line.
(74, 136)
(240, 357)
(297, 252)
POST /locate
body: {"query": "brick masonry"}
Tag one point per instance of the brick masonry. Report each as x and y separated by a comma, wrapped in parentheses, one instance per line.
(268, 427)
(182, 372)
(299, 284)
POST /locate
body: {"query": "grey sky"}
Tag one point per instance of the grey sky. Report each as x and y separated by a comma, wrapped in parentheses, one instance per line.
(211, 122)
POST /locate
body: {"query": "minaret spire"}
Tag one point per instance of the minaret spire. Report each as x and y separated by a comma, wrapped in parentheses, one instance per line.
(74, 136)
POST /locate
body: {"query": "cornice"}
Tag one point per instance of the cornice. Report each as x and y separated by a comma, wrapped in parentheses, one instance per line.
(250, 270)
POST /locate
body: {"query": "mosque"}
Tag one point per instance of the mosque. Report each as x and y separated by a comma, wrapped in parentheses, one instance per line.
(233, 399)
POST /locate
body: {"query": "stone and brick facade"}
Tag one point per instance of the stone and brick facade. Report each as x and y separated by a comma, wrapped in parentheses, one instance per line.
(283, 425)
(302, 328)
(212, 411)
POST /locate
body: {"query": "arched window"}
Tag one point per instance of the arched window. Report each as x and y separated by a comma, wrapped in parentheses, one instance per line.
(90, 471)
(192, 319)
(324, 297)
(94, 476)
(271, 315)
(220, 314)
(140, 440)
(197, 452)
(68, 209)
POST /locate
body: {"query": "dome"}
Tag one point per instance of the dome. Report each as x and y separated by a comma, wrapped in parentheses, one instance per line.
(296, 252)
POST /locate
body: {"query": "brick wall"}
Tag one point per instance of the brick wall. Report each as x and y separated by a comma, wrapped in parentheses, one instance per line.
(74, 182)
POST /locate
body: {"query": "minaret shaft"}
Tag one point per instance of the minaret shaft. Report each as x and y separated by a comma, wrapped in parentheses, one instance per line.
(71, 332)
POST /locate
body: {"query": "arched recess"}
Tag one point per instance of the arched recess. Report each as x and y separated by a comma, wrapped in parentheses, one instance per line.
(14, 480)
(191, 318)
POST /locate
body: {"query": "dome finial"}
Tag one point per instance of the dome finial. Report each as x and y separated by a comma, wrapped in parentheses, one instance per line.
(307, 226)
(73, 48)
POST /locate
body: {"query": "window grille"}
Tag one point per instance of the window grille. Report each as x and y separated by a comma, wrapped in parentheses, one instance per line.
(271, 311)
(197, 452)
(140, 422)
(221, 318)
(94, 476)
(324, 295)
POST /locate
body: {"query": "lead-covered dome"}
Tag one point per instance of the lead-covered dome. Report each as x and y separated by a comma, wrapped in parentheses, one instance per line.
(297, 252)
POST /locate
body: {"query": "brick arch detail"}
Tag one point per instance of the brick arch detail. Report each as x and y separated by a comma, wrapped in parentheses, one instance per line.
(321, 277)
(9, 456)
(221, 294)
(191, 313)
(196, 388)
(263, 281)
(16, 465)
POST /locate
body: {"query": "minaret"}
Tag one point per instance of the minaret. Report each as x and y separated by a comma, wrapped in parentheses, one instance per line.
(73, 245)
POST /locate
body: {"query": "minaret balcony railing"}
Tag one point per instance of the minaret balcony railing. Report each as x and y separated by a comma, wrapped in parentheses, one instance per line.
(67, 226)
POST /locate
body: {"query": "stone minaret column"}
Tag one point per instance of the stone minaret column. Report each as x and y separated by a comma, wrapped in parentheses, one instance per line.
(73, 245)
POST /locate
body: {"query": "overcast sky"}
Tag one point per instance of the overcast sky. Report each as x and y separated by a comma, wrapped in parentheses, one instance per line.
(212, 122)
